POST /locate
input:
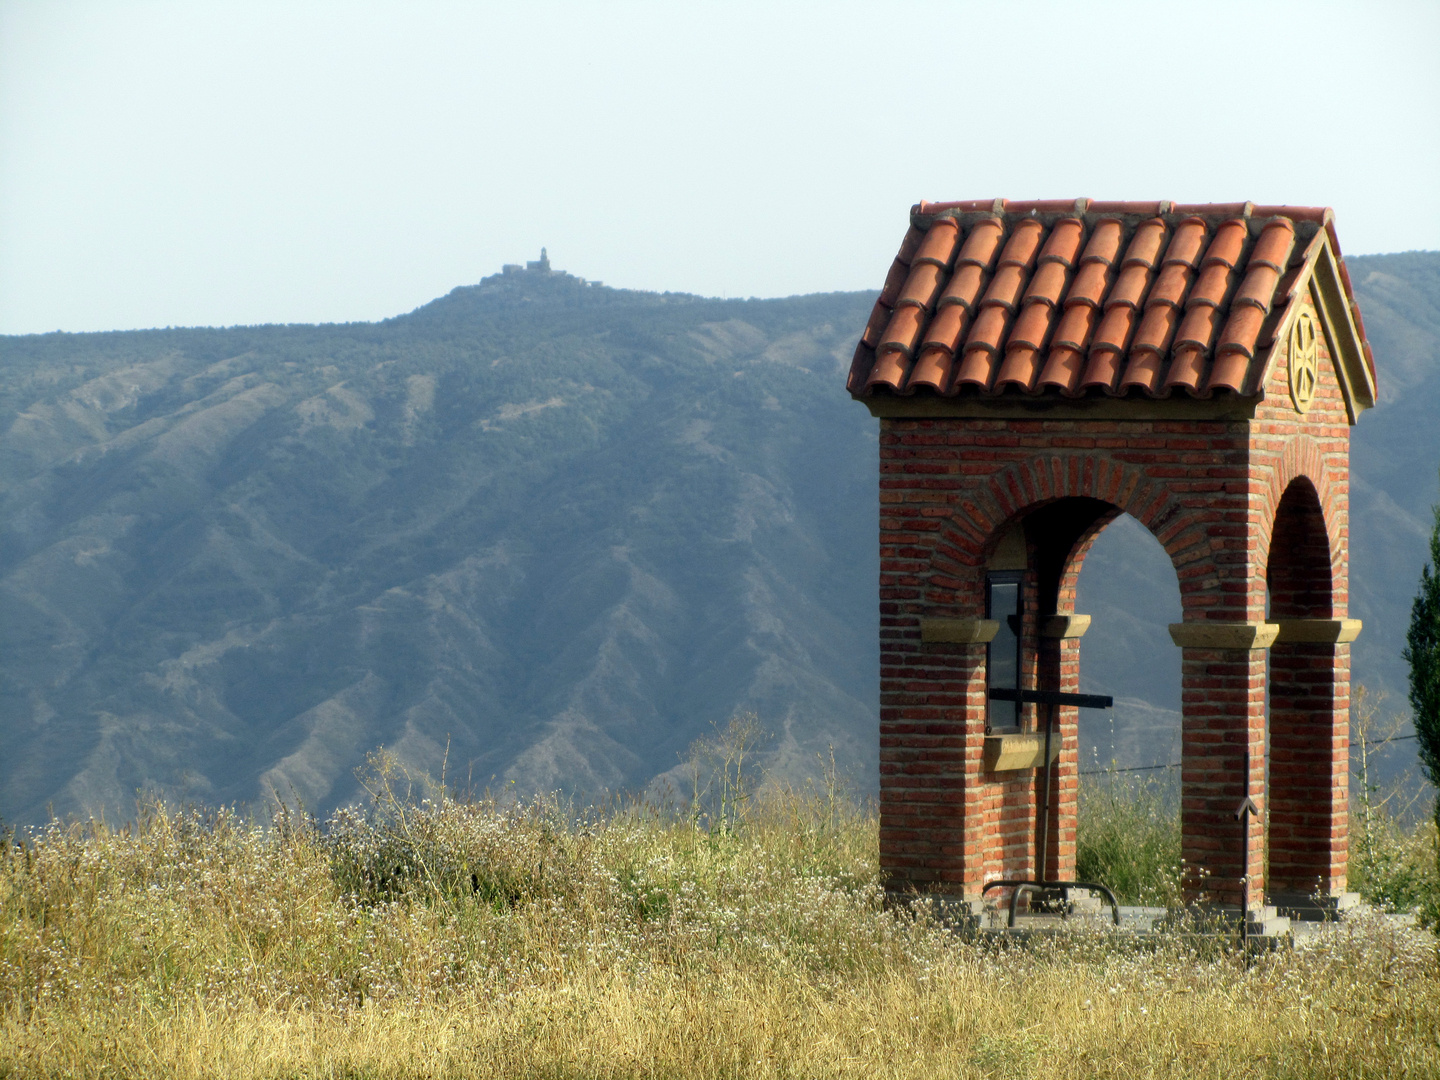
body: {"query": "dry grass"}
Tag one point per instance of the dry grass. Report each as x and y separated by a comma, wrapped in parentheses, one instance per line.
(443, 939)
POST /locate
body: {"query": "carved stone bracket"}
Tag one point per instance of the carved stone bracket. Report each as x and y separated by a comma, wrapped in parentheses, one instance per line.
(1224, 635)
(1064, 626)
(1318, 631)
(1261, 635)
(958, 631)
(1019, 750)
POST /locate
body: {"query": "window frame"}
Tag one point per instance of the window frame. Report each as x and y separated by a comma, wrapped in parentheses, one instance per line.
(993, 724)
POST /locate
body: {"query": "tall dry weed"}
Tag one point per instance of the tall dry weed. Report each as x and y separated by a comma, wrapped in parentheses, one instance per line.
(428, 936)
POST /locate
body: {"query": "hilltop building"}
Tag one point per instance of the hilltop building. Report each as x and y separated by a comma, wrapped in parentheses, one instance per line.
(541, 267)
(534, 266)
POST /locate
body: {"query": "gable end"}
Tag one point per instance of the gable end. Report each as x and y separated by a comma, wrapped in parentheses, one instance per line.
(1321, 278)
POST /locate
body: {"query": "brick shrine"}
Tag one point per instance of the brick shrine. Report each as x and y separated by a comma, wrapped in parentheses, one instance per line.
(1037, 369)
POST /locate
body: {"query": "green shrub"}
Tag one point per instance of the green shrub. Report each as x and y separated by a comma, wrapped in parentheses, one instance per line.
(441, 849)
(1393, 867)
(1128, 837)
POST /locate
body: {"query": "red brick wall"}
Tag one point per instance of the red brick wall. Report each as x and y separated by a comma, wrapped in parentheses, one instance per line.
(1209, 490)
(1301, 469)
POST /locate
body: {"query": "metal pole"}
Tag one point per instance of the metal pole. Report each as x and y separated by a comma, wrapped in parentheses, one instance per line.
(1246, 811)
(1245, 865)
(1045, 820)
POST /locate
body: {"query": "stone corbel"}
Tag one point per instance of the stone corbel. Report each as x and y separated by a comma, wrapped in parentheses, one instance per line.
(1318, 631)
(1017, 750)
(1224, 635)
(958, 631)
(1064, 626)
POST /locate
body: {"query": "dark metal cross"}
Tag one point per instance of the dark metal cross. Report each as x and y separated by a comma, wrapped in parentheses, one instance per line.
(1050, 698)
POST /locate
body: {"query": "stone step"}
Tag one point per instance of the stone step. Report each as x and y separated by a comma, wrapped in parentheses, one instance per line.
(1272, 927)
(1266, 926)
(1312, 907)
(1261, 922)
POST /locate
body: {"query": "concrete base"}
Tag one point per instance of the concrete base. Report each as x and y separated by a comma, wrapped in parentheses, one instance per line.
(1080, 911)
(957, 912)
(1265, 928)
(1058, 907)
(1314, 907)
(1225, 918)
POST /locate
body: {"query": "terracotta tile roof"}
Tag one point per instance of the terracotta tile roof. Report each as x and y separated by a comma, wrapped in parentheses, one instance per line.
(1083, 298)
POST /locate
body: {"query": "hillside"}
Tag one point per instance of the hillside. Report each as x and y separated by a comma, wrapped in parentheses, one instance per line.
(560, 527)
(563, 527)
(1395, 452)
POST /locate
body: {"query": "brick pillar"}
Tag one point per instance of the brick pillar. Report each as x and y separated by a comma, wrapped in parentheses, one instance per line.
(1013, 799)
(1309, 766)
(932, 730)
(1223, 695)
(1011, 832)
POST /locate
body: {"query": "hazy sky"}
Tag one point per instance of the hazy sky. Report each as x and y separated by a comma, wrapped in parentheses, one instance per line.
(218, 163)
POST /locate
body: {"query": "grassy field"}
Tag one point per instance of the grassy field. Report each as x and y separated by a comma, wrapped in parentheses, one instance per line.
(436, 938)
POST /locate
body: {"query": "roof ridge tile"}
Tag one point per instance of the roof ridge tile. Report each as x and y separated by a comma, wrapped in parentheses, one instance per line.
(936, 247)
(982, 244)
(1147, 209)
(1145, 243)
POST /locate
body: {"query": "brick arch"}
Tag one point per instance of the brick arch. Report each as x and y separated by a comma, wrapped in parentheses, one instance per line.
(1300, 574)
(968, 534)
(1302, 458)
(1303, 562)
(1075, 561)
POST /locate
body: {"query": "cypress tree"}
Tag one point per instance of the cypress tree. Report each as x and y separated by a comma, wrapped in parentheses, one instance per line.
(1422, 652)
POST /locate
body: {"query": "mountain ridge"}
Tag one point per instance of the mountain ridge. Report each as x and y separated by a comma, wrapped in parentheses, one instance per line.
(560, 528)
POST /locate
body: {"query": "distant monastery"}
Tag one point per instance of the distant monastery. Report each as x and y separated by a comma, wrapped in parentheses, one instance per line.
(539, 266)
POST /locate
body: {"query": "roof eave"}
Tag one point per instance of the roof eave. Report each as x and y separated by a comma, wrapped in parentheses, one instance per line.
(1222, 407)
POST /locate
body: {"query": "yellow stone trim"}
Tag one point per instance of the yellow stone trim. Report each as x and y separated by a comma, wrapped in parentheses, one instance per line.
(1224, 635)
(1320, 631)
(1319, 282)
(1303, 362)
(1064, 626)
(958, 631)
(1020, 750)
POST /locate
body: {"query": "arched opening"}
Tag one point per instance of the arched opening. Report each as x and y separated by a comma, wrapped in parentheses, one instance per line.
(1128, 587)
(1297, 572)
(1028, 588)
(1307, 757)
(1042, 624)
(1128, 804)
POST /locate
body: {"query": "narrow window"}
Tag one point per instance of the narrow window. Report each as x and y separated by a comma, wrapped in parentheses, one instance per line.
(1005, 603)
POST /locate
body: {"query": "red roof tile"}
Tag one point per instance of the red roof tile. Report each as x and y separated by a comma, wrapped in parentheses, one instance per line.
(994, 298)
